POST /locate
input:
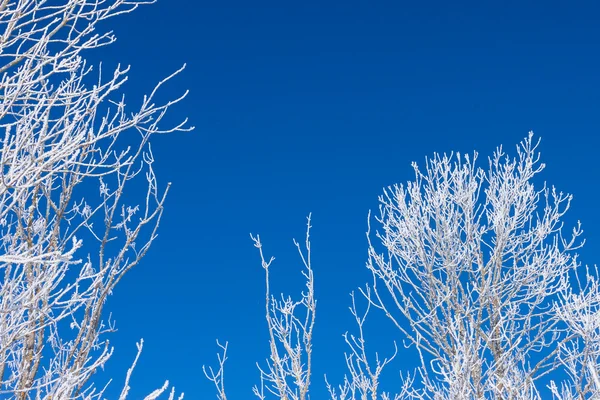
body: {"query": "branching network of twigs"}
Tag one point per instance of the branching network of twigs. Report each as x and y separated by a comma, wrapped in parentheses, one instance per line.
(473, 268)
(69, 231)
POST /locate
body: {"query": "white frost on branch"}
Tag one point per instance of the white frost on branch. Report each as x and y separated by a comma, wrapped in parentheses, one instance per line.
(474, 270)
(290, 324)
(63, 131)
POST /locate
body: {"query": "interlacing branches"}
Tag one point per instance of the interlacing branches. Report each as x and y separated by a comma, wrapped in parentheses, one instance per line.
(474, 264)
(69, 230)
(473, 268)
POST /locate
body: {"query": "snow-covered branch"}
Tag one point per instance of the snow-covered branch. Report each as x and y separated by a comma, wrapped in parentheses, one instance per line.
(65, 165)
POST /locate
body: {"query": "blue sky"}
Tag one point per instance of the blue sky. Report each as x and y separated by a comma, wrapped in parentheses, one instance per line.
(315, 107)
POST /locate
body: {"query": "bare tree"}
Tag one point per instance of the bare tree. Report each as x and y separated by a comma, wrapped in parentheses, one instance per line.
(290, 325)
(473, 268)
(68, 151)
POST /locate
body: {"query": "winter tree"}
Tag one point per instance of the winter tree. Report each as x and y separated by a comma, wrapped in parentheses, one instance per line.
(474, 270)
(69, 228)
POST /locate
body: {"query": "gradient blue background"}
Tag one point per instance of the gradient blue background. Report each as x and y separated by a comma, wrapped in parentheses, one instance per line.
(315, 106)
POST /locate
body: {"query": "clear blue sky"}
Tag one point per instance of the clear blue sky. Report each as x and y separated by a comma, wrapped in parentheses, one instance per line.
(315, 106)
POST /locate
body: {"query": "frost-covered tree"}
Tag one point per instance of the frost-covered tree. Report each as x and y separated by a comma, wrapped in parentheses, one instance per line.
(69, 230)
(473, 268)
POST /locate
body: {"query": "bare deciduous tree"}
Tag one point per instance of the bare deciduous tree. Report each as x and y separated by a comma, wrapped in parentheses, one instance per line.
(473, 268)
(68, 151)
